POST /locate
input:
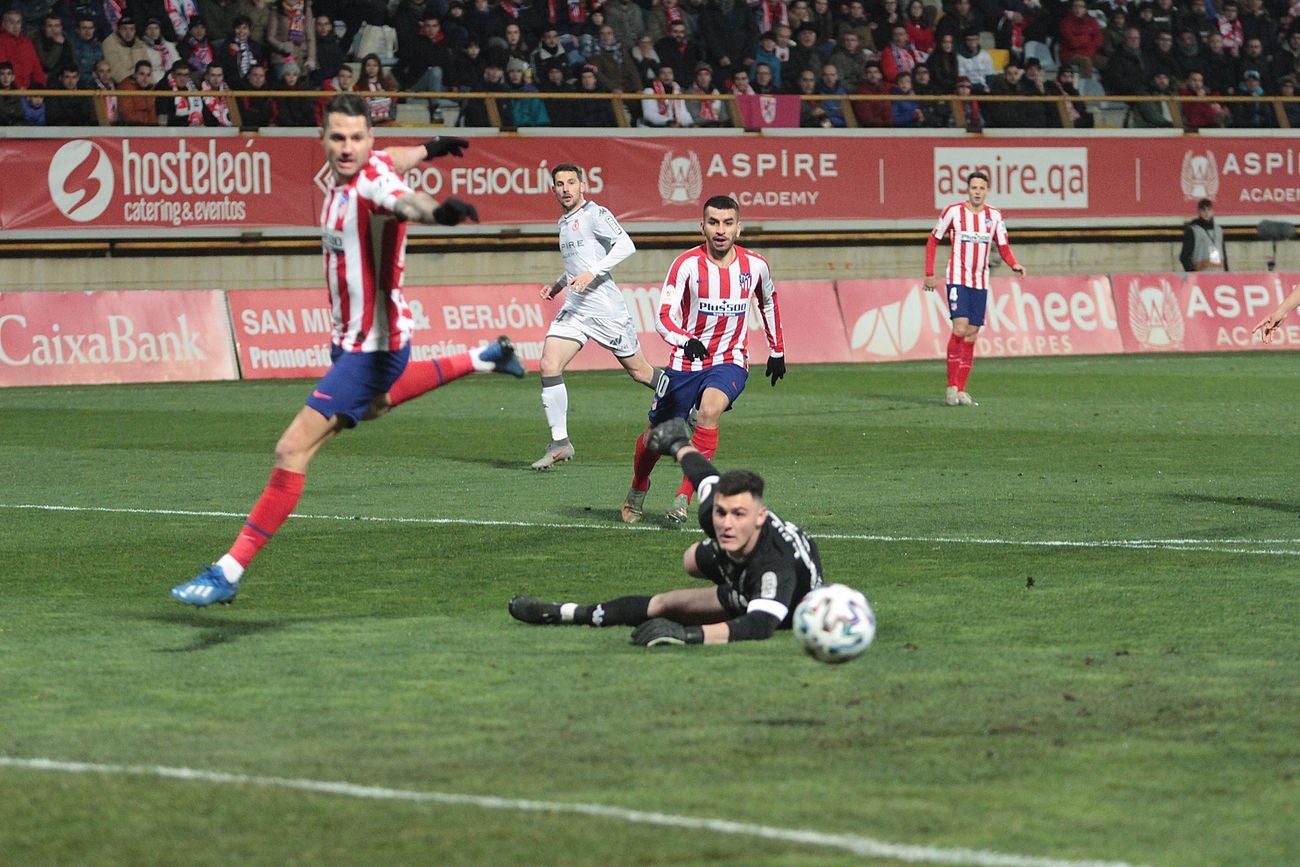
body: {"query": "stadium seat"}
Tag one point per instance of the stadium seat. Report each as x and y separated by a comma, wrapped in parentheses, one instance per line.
(1000, 57)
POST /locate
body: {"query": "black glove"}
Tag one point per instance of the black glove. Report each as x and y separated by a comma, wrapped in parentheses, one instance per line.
(660, 631)
(667, 438)
(453, 212)
(695, 350)
(775, 368)
(440, 146)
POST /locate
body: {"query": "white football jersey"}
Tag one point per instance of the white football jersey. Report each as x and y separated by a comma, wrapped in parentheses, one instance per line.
(592, 240)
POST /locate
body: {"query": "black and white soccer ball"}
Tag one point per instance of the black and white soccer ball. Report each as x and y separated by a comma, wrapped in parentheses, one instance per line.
(834, 623)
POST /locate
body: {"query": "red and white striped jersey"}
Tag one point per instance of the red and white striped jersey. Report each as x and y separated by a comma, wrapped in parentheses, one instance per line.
(973, 236)
(701, 300)
(365, 255)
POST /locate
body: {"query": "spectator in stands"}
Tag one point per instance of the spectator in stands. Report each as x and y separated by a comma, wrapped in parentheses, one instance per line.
(821, 17)
(1153, 115)
(906, 112)
(1080, 38)
(661, 111)
(18, 50)
(1286, 86)
(974, 63)
(453, 24)
(106, 105)
(767, 53)
(1252, 115)
(1256, 23)
(1229, 26)
(1010, 34)
(178, 101)
(467, 67)
(679, 52)
(626, 19)
(856, 21)
(1127, 72)
(259, 12)
(330, 53)
(1063, 85)
(422, 64)
(849, 59)
(972, 117)
(408, 19)
(1196, 18)
(1286, 60)
(1200, 115)
(1033, 113)
(256, 112)
(662, 16)
(476, 110)
(646, 59)
(11, 105)
(70, 110)
(196, 48)
(218, 108)
(1003, 113)
(561, 111)
(53, 48)
(764, 83)
(740, 85)
(342, 82)
(240, 53)
(770, 14)
(830, 85)
(919, 21)
(380, 89)
(1252, 57)
(899, 55)
(162, 53)
(596, 111)
(812, 114)
(123, 50)
(551, 52)
(1164, 57)
(1219, 67)
(34, 111)
(511, 45)
(1165, 17)
(942, 64)
(1112, 37)
(292, 110)
(614, 67)
(219, 14)
(138, 110)
(873, 112)
(887, 14)
(706, 112)
(1203, 247)
(86, 48)
(729, 34)
(289, 33)
(805, 56)
(935, 114)
(960, 18)
(525, 112)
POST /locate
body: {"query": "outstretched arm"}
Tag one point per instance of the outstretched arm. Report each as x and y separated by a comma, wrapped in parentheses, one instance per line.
(407, 157)
(1270, 324)
(423, 208)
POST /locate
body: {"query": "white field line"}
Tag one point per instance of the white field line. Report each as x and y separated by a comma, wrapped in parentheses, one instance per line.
(1290, 547)
(853, 843)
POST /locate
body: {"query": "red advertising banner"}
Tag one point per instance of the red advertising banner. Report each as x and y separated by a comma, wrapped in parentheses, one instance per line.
(1206, 312)
(897, 320)
(284, 333)
(80, 338)
(174, 184)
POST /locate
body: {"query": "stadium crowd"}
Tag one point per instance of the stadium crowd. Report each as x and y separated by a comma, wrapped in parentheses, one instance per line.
(190, 53)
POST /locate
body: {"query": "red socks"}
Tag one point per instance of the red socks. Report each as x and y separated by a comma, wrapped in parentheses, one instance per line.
(706, 440)
(643, 461)
(964, 365)
(277, 502)
(424, 376)
(954, 358)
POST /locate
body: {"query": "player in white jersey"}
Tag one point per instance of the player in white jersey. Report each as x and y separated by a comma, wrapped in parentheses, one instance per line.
(363, 234)
(703, 308)
(592, 243)
(974, 228)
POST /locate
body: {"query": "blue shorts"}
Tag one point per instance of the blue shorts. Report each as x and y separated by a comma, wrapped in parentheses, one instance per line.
(685, 387)
(353, 382)
(967, 303)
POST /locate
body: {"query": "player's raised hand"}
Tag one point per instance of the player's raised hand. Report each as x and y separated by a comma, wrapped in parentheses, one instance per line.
(694, 350)
(1268, 328)
(661, 632)
(453, 212)
(775, 368)
(669, 437)
(440, 146)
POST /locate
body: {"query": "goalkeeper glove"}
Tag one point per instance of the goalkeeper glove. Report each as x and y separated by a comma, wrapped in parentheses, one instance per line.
(660, 631)
(775, 368)
(440, 146)
(453, 212)
(694, 350)
(668, 438)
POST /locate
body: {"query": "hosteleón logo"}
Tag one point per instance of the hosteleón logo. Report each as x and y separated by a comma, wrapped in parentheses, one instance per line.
(81, 180)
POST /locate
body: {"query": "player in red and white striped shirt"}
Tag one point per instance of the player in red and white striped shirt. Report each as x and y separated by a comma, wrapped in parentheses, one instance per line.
(363, 232)
(973, 228)
(703, 309)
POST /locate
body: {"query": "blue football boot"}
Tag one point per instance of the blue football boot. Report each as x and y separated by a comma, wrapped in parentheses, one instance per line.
(209, 586)
(502, 355)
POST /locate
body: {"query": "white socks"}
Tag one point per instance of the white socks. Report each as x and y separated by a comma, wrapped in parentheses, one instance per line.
(555, 400)
(230, 566)
(480, 365)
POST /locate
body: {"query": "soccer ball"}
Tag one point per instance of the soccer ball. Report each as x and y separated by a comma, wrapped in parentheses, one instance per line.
(834, 623)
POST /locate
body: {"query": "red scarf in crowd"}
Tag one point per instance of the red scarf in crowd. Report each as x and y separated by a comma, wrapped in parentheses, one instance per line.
(113, 12)
(297, 22)
(110, 102)
(189, 107)
(658, 87)
(179, 13)
(216, 106)
(706, 106)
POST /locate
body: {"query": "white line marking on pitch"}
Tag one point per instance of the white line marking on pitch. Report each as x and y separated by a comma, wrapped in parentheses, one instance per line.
(847, 842)
(1219, 546)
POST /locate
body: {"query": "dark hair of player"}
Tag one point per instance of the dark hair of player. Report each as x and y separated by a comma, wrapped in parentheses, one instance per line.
(981, 175)
(566, 167)
(722, 203)
(349, 105)
(734, 482)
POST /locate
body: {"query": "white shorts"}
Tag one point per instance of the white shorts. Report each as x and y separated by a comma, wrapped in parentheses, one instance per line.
(616, 335)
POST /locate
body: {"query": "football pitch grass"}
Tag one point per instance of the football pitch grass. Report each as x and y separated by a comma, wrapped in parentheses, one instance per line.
(1086, 591)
